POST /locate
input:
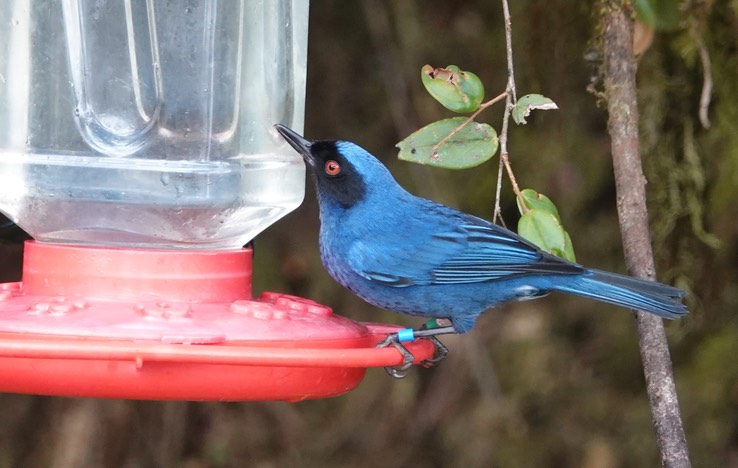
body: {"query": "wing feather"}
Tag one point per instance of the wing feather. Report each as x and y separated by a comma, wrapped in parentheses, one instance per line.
(472, 252)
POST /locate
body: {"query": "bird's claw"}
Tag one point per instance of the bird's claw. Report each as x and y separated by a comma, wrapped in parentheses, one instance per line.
(399, 372)
(439, 354)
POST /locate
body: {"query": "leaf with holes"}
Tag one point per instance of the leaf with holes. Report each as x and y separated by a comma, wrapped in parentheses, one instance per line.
(459, 91)
(543, 229)
(528, 103)
(474, 144)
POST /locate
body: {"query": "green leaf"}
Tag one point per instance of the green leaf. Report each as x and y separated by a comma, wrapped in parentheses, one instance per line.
(528, 103)
(474, 144)
(533, 199)
(568, 252)
(663, 15)
(644, 10)
(543, 229)
(458, 91)
(537, 227)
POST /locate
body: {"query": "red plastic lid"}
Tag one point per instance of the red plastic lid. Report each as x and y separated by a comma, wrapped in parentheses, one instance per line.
(173, 324)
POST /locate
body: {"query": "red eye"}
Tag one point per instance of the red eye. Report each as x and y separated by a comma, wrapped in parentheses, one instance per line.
(332, 168)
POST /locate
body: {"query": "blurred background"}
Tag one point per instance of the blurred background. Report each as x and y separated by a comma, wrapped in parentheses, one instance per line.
(549, 383)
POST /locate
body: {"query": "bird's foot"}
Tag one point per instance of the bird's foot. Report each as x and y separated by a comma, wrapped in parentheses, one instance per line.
(398, 372)
(429, 330)
(439, 354)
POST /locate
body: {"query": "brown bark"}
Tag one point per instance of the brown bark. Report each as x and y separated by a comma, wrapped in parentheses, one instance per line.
(620, 90)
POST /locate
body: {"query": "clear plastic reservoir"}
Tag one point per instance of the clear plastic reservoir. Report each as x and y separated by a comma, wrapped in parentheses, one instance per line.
(150, 122)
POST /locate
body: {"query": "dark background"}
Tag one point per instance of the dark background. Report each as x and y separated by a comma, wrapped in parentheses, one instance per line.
(555, 382)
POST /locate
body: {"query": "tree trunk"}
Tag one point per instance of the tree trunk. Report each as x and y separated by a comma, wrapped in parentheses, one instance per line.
(620, 90)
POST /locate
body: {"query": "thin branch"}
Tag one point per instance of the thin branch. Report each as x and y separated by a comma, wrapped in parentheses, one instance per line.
(511, 98)
(619, 71)
(498, 211)
(504, 156)
(508, 49)
(706, 95)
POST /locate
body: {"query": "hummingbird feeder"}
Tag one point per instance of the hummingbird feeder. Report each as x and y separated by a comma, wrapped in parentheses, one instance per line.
(137, 149)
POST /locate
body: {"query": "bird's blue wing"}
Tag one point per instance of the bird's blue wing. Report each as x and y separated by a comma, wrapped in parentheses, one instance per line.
(470, 252)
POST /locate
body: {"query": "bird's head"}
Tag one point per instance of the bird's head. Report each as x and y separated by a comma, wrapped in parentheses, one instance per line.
(345, 173)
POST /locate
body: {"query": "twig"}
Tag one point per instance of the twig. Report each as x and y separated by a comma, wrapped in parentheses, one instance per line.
(706, 95)
(511, 98)
(504, 156)
(498, 211)
(509, 52)
(620, 89)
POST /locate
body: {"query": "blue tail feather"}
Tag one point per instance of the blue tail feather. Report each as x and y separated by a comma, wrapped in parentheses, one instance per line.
(625, 291)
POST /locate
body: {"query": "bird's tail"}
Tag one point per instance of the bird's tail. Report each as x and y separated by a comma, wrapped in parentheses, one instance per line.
(648, 296)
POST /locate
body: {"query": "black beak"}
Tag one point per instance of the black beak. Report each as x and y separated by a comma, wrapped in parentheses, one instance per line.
(300, 144)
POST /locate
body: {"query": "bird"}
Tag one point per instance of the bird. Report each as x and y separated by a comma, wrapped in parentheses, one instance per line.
(411, 255)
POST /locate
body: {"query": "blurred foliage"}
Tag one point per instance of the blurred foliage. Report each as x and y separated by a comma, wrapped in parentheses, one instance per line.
(549, 383)
(659, 14)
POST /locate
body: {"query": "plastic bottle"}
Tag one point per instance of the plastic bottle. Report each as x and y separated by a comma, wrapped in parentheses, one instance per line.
(149, 124)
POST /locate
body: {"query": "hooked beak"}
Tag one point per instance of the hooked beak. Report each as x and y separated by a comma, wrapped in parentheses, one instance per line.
(300, 144)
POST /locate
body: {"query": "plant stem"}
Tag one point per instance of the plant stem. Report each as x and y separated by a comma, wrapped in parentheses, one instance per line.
(509, 51)
(497, 210)
(511, 98)
(504, 156)
(619, 71)
(706, 95)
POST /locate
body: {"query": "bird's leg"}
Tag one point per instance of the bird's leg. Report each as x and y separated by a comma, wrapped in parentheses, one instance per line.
(429, 330)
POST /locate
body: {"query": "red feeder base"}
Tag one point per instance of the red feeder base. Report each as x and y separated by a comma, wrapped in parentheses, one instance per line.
(174, 325)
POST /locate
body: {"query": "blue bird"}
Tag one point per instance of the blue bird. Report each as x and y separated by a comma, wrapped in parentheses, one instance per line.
(411, 255)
